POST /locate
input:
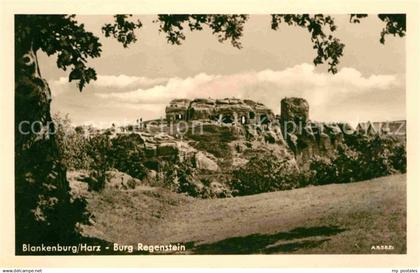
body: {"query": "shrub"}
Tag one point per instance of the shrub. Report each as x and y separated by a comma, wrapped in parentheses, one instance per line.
(218, 190)
(127, 155)
(363, 158)
(379, 155)
(72, 144)
(170, 179)
(181, 178)
(399, 158)
(264, 173)
(348, 165)
(98, 150)
(187, 183)
(321, 171)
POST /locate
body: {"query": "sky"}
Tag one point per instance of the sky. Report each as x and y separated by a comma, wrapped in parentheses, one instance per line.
(140, 80)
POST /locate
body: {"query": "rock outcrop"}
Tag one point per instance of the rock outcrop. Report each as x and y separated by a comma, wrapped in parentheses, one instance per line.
(307, 138)
(228, 110)
(231, 132)
(122, 181)
(205, 162)
(295, 110)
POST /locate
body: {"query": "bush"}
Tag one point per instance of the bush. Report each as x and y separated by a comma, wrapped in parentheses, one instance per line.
(363, 158)
(127, 155)
(348, 165)
(98, 150)
(187, 183)
(378, 155)
(321, 171)
(72, 144)
(399, 158)
(169, 177)
(264, 174)
(181, 178)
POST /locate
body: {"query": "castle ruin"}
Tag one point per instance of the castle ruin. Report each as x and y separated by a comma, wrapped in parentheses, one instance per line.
(226, 110)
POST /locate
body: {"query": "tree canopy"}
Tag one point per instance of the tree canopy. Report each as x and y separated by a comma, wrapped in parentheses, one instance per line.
(64, 36)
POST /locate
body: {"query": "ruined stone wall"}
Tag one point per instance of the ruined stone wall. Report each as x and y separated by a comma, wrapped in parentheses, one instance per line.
(227, 110)
(177, 110)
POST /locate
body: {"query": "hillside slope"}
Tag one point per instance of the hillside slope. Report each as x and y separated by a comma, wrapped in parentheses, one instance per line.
(337, 218)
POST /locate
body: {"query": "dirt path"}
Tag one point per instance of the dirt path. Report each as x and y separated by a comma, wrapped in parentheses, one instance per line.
(338, 218)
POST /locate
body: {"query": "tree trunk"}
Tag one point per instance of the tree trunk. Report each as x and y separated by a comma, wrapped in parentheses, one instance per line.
(44, 210)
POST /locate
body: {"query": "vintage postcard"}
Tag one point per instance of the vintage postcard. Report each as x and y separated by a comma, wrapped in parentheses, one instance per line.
(269, 134)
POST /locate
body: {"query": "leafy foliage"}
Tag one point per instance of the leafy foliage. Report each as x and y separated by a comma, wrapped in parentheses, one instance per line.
(61, 35)
(182, 177)
(72, 143)
(185, 179)
(225, 27)
(355, 18)
(264, 173)
(379, 155)
(99, 153)
(64, 36)
(322, 171)
(329, 48)
(98, 149)
(127, 155)
(360, 159)
(398, 158)
(122, 29)
(395, 24)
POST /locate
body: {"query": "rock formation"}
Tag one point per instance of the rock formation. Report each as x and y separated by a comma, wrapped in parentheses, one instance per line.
(233, 132)
(228, 110)
(205, 162)
(307, 138)
(295, 110)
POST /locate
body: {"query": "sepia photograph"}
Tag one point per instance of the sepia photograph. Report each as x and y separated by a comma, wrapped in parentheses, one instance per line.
(191, 134)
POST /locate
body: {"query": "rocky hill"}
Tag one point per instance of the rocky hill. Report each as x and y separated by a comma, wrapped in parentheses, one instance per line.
(227, 132)
(215, 138)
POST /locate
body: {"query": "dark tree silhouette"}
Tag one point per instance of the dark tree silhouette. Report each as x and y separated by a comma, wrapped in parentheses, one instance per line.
(45, 211)
(395, 24)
